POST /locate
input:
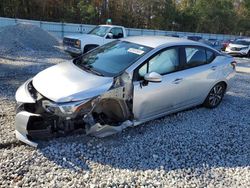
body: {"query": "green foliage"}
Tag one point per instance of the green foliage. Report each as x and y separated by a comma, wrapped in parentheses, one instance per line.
(212, 16)
(215, 16)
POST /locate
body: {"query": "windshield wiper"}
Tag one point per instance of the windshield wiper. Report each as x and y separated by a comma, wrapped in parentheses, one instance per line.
(88, 68)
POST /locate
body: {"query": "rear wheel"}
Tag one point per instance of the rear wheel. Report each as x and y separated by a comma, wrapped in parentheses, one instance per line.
(215, 96)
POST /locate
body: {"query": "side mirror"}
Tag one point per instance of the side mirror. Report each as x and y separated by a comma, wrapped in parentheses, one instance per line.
(153, 77)
(110, 36)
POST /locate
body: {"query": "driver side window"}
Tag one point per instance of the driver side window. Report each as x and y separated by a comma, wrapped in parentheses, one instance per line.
(117, 32)
(164, 62)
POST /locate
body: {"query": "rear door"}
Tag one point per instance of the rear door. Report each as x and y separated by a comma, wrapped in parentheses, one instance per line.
(199, 73)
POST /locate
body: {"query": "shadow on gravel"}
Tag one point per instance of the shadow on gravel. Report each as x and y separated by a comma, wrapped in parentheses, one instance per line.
(11, 70)
(12, 76)
(40, 56)
(198, 138)
(10, 145)
(17, 69)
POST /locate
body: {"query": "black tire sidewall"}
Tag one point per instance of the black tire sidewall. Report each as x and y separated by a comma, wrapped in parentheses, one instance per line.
(207, 103)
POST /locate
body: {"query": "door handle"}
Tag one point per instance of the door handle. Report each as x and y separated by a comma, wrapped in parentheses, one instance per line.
(177, 80)
(213, 67)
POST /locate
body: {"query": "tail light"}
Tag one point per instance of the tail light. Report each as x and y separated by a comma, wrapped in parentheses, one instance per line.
(234, 63)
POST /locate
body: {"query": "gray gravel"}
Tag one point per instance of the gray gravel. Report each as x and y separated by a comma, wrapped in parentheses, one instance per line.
(195, 148)
(25, 37)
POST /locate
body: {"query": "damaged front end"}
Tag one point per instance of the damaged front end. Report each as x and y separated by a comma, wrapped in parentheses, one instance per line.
(41, 118)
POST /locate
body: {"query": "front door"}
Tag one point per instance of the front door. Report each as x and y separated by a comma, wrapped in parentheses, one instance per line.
(153, 99)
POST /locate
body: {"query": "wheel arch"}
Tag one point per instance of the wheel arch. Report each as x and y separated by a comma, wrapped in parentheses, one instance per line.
(215, 83)
(223, 82)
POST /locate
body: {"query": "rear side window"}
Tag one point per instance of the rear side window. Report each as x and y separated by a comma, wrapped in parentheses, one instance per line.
(195, 57)
(210, 56)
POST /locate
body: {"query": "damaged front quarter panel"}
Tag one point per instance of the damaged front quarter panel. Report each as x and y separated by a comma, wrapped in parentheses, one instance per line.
(40, 118)
(112, 111)
(23, 95)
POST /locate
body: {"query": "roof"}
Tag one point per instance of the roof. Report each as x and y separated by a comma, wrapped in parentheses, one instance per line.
(155, 41)
(107, 25)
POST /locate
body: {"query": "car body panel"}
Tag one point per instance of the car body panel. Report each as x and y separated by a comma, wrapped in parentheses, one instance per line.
(164, 96)
(169, 95)
(21, 122)
(23, 95)
(66, 82)
(121, 97)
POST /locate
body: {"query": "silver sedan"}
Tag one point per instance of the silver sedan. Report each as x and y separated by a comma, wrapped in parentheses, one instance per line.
(121, 84)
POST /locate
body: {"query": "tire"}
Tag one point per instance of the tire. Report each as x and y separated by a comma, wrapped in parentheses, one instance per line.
(215, 95)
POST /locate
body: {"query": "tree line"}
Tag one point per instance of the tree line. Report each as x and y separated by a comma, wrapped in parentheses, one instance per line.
(209, 16)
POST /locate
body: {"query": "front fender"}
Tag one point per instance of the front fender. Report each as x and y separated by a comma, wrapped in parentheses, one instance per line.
(23, 95)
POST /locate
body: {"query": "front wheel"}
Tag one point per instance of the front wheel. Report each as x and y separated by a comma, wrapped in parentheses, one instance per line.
(215, 96)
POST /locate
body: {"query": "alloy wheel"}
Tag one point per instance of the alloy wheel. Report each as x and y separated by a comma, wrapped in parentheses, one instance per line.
(216, 95)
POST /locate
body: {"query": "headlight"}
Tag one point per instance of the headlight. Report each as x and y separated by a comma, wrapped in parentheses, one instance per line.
(78, 43)
(68, 108)
(50, 107)
(64, 108)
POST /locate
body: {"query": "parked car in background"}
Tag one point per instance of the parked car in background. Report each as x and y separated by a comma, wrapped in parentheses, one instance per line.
(239, 47)
(194, 38)
(123, 83)
(81, 43)
(225, 43)
(177, 36)
(214, 43)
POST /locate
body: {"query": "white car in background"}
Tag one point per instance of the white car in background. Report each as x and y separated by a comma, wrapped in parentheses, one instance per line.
(239, 47)
(77, 44)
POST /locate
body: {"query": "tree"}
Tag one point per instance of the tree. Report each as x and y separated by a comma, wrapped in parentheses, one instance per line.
(213, 16)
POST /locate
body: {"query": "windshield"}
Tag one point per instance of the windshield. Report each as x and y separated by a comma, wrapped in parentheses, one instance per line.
(99, 31)
(242, 42)
(112, 58)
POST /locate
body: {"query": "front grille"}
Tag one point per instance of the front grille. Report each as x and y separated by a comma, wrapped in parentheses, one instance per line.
(236, 49)
(70, 42)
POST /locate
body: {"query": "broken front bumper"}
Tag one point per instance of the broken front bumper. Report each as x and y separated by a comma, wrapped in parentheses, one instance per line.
(72, 50)
(21, 123)
(31, 126)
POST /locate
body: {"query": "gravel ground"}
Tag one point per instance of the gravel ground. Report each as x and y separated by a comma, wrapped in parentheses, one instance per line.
(194, 148)
(25, 37)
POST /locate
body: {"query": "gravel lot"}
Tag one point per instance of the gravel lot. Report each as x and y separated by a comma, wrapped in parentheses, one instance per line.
(194, 148)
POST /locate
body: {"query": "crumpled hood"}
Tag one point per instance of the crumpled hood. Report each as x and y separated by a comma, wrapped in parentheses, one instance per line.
(66, 82)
